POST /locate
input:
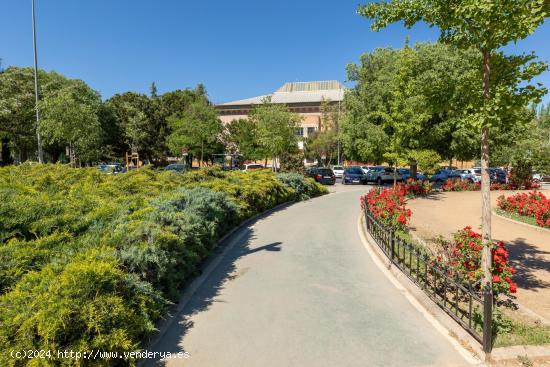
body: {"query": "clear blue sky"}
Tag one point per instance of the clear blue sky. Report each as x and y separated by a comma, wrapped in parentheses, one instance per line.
(238, 49)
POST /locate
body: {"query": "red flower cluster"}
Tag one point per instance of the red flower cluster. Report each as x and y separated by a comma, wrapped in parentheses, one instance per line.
(388, 206)
(460, 185)
(533, 204)
(466, 261)
(414, 188)
(465, 185)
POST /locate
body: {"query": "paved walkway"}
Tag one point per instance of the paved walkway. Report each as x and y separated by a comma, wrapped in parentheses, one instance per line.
(298, 289)
(529, 248)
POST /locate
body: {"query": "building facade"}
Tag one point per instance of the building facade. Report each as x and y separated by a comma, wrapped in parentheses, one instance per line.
(303, 98)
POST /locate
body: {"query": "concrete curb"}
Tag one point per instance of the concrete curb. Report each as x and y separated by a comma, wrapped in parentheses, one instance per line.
(540, 229)
(466, 345)
(206, 268)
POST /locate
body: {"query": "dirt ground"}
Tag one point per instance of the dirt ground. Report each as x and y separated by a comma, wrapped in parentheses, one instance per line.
(529, 248)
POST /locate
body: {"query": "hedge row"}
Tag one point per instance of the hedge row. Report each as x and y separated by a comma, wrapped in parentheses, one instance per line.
(91, 261)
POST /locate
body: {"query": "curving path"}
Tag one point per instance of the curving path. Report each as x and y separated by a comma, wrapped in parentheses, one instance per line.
(297, 288)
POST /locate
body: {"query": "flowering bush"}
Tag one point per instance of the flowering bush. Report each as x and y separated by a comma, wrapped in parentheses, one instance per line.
(415, 188)
(388, 206)
(534, 204)
(460, 185)
(465, 260)
(464, 185)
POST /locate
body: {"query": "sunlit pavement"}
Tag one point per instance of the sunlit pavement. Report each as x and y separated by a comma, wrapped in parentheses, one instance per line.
(299, 289)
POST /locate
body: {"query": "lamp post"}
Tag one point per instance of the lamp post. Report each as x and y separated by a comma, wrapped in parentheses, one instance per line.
(38, 137)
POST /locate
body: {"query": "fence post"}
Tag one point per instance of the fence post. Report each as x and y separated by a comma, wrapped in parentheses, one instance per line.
(392, 244)
(487, 319)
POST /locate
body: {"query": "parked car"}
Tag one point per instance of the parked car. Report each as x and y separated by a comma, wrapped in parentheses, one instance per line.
(442, 175)
(366, 169)
(471, 174)
(251, 167)
(338, 171)
(111, 169)
(323, 175)
(176, 167)
(498, 175)
(353, 175)
(373, 173)
(406, 174)
(381, 175)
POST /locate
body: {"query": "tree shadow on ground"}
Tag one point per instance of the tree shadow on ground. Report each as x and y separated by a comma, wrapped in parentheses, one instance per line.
(528, 260)
(206, 295)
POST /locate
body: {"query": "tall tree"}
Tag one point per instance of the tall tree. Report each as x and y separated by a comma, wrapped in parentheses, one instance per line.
(276, 129)
(486, 26)
(70, 117)
(242, 137)
(198, 130)
(134, 116)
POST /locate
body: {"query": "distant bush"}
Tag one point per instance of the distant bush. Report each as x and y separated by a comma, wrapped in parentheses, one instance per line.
(305, 188)
(90, 261)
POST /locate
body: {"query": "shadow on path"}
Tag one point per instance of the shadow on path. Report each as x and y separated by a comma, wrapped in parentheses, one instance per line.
(212, 287)
(528, 259)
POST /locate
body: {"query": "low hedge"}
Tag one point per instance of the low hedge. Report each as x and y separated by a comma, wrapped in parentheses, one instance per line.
(91, 261)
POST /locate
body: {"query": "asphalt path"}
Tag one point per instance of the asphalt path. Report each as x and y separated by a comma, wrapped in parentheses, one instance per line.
(298, 288)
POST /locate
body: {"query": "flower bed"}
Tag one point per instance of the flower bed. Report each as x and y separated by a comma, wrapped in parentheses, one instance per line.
(388, 206)
(463, 254)
(465, 185)
(416, 188)
(465, 261)
(534, 205)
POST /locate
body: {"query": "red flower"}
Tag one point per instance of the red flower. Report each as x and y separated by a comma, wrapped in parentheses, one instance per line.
(496, 279)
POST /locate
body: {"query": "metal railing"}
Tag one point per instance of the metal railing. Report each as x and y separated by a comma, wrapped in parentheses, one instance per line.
(464, 301)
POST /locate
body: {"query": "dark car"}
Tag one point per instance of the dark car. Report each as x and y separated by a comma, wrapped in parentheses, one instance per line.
(176, 167)
(406, 174)
(497, 175)
(354, 175)
(442, 175)
(322, 175)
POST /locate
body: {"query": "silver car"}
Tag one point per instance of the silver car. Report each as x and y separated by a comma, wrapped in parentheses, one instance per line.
(471, 174)
(380, 175)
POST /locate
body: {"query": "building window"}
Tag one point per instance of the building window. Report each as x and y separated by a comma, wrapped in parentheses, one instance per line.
(311, 131)
(300, 131)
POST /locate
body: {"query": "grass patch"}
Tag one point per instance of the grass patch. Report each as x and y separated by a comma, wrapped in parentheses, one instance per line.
(520, 218)
(511, 331)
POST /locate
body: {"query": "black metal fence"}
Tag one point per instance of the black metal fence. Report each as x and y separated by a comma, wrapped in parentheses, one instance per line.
(464, 301)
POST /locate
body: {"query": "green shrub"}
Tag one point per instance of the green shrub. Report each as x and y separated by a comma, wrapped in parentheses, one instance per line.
(89, 260)
(305, 188)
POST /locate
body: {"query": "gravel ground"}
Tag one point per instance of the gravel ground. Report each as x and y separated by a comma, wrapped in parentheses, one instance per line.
(445, 213)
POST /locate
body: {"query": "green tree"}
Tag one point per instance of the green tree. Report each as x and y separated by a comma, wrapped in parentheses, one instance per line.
(410, 99)
(323, 144)
(134, 116)
(486, 26)
(199, 130)
(276, 129)
(242, 137)
(69, 116)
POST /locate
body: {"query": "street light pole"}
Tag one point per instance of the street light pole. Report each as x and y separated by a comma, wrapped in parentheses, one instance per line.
(38, 137)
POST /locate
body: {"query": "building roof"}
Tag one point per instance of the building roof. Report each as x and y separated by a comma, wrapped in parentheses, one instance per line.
(298, 92)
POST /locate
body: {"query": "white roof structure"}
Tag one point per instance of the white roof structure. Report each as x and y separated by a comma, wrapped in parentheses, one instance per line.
(298, 92)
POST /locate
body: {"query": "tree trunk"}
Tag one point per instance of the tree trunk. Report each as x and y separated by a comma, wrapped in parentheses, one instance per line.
(414, 170)
(395, 175)
(486, 180)
(5, 154)
(202, 154)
